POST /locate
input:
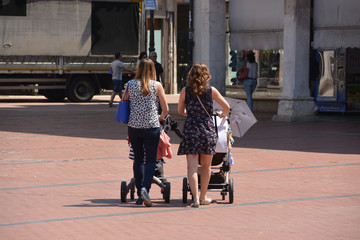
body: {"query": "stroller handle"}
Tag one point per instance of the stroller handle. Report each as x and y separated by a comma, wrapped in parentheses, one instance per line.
(178, 133)
(169, 124)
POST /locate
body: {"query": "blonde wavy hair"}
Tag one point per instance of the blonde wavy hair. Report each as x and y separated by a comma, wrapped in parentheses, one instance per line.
(198, 78)
(144, 74)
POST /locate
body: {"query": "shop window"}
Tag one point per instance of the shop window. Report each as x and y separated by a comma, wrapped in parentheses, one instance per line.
(269, 66)
(269, 72)
(12, 7)
(353, 79)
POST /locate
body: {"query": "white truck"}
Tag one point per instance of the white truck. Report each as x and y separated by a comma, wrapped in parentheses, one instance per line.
(64, 48)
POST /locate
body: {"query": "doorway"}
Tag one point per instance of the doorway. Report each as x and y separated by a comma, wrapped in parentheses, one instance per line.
(182, 44)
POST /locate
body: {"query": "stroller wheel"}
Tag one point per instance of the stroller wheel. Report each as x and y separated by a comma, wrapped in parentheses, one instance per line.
(167, 192)
(231, 190)
(123, 191)
(185, 189)
(132, 193)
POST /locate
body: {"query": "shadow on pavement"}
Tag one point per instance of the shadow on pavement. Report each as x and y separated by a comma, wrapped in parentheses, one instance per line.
(130, 203)
(331, 133)
(87, 120)
(323, 136)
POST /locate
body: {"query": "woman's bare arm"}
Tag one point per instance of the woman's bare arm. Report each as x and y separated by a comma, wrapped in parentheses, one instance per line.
(181, 104)
(163, 103)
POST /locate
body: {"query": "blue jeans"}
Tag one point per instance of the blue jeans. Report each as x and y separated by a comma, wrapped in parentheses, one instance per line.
(250, 85)
(144, 140)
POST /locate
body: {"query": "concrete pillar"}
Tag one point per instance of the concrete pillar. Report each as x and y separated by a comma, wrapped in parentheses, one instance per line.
(170, 80)
(295, 103)
(209, 39)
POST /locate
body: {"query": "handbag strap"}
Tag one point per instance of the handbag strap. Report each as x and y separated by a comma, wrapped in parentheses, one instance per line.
(203, 107)
(216, 129)
(125, 93)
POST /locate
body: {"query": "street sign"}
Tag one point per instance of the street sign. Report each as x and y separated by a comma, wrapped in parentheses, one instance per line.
(151, 5)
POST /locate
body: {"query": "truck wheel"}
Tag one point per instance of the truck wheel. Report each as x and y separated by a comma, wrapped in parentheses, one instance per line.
(81, 89)
(55, 94)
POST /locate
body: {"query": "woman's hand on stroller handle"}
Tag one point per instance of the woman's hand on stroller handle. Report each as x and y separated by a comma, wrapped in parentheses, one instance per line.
(220, 114)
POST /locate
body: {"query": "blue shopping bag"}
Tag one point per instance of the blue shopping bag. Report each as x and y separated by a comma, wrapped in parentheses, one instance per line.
(123, 112)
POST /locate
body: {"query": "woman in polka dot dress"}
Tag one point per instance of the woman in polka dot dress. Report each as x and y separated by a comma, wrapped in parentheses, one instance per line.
(199, 130)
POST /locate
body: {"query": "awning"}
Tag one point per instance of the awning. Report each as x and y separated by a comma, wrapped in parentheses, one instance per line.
(256, 24)
(336, 24)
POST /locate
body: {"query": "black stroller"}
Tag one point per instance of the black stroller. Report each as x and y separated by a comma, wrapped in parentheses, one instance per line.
(220, 180)
(167, 124)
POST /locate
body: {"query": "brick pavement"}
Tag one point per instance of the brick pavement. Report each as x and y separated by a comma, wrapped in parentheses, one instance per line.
(61, 165)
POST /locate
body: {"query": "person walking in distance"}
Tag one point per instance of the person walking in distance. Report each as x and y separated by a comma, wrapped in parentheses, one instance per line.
(199, 132)
(158, 67)
(117, 66)
(250, 82)
(159, 72)
(144, 125)
(142, 56)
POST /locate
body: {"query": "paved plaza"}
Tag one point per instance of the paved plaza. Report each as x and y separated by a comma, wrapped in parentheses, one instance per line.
(61, 165)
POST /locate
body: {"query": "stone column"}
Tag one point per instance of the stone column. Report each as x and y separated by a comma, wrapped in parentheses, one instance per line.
(295, 103)
(209, 39)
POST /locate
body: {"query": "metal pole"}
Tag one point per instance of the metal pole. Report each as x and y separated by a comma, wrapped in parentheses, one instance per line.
(143, 27)
(152, 44)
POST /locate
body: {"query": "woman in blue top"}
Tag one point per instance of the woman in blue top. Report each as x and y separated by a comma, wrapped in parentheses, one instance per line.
(144, 125)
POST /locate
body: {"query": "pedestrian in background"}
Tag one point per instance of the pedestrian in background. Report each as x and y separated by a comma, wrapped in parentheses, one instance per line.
(199, 132)
(250, 82)
(159, 72)
(142, 56)
(158, 67)
(144, 125)
(117, 67)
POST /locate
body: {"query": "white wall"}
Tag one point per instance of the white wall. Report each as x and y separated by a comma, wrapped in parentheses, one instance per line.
(256, 24)
(336, 23)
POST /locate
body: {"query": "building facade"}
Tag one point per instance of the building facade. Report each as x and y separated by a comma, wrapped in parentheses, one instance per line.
(291, 38)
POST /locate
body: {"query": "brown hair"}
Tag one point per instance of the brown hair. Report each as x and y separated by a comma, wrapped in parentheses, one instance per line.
(145, 73)
(198, 78)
